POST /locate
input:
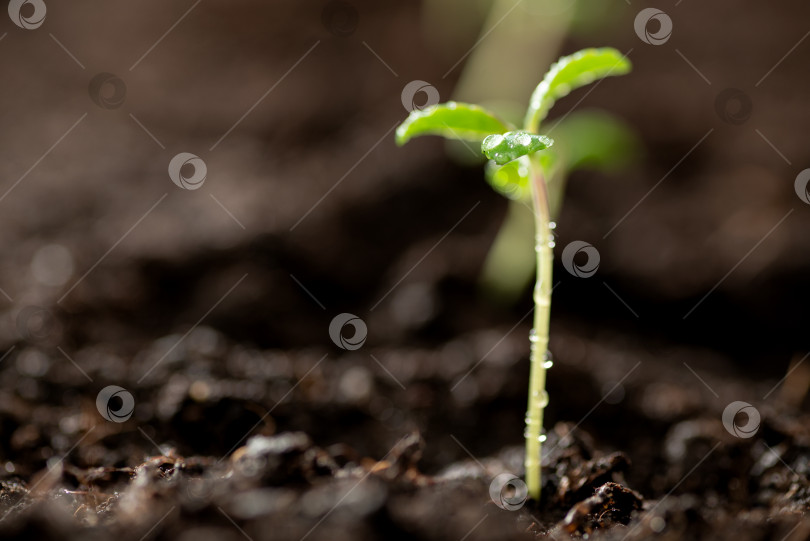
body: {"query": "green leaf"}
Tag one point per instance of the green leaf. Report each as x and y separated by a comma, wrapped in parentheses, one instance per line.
(503, 148)
(585, 140)
(596, 140)
(570, 73)
(510, 180)
(452, 120)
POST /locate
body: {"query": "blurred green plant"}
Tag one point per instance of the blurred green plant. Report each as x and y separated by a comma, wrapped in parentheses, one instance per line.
(522, 166)
(583, 140)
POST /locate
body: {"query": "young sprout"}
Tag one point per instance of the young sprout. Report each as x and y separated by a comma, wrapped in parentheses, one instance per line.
(520, 162)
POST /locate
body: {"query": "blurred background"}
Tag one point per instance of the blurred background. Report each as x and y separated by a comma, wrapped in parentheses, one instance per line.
(212, 305)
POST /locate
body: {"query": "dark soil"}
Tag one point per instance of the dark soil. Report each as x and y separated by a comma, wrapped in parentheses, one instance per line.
(249, 422)
(369, 473)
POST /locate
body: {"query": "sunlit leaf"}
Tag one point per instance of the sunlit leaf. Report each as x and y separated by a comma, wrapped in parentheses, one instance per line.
(503, 148)
(451, 120)
(569, 73)
(510, 180)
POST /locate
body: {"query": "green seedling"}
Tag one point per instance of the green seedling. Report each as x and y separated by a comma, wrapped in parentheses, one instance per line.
(523, 164)
(583, 140)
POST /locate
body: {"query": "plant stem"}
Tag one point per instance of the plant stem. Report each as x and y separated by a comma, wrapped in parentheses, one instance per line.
(539, 337)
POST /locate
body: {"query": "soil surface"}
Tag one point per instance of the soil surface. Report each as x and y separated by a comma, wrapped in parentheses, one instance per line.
(211, 308)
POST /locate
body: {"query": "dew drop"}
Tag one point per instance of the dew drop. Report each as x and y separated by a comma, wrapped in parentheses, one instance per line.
(552, 225)
(538, 243)
(542, 438)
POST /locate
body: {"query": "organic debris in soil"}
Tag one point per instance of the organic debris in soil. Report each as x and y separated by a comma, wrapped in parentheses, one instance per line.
(286, 486)
(611, 504)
